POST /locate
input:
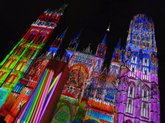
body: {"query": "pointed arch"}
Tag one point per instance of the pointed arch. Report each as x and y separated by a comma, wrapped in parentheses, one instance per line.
(145, 92)
(130, 97)
(145, 101)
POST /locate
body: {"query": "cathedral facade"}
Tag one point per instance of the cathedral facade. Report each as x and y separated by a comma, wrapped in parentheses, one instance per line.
(77, 86)
(138, 93)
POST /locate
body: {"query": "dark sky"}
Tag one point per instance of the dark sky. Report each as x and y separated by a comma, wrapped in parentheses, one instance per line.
(92, 16)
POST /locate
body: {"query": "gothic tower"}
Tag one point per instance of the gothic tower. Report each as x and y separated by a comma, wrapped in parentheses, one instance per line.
(101, 49)
(54, 47)
(18, 61)
(138, 95)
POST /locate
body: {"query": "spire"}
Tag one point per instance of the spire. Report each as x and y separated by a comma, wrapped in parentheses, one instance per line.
(74, 43)
(118, 46)
(57, 42)
(105, 36)
(62, 9)
(117, 52)
(77, 36)
(50, 55)
(108, 29)
(104, 39)
(72, 47)
(102, 48)
(64, 32)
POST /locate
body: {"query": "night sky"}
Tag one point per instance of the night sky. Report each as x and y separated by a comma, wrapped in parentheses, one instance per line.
(90, 16)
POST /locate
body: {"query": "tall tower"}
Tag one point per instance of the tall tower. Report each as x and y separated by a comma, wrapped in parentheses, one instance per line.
(18, 61)
(138, 96)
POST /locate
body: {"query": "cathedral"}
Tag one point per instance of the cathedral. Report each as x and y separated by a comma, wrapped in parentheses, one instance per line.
(138, 93)
(77, 86)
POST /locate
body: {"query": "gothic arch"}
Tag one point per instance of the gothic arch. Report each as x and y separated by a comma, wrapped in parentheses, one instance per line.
(131, 84)
(130, 97)
(145, 86)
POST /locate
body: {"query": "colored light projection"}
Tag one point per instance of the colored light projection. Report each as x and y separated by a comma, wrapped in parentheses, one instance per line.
(101, 49)
(57, 43)
(77, 87)
(41, 87)
(87, 94)
(18, 61)
(40, 99)
(138, 94)
(77, 95)
(23, 90)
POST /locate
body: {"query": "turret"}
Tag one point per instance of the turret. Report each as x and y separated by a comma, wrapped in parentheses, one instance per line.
(71, 48)
(102, 48)
(57, 42)
(74, 43)
(117, 52)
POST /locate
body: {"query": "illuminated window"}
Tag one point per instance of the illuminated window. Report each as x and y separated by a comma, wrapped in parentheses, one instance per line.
(145, 104)
(131, 91)
(134, 59)
(145, 62)
(129, 106)
(11, 79)
(10, 62)
(31, 37)
(144, 109)
(21, 65)
(2, 73)
(18, 51)
(145, 73)
(145, 94)
(29, 54)
(40, 39)
(133, 68)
